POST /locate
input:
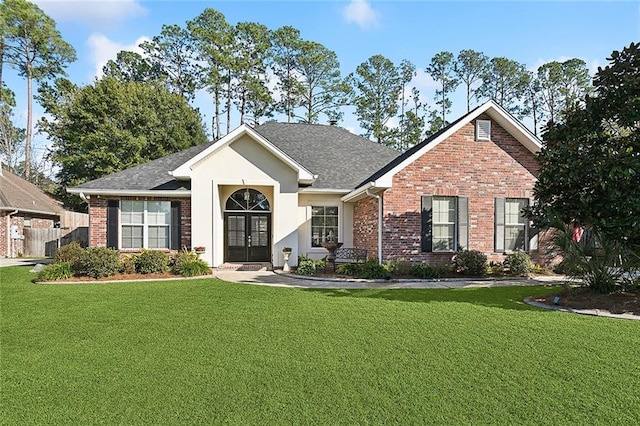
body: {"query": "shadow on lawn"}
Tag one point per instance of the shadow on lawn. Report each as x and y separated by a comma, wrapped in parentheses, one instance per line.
(497, 297)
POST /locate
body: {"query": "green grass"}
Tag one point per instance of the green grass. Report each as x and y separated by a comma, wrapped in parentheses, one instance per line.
(206, 351)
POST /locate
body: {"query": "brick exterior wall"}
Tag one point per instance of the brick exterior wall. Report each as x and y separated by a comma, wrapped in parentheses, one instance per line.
(458, 166)
(98, 218)
(365, 225)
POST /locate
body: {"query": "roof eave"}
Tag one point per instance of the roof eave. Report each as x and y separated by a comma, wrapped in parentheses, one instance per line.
(39, 212)
(361, 192)
(180, 193)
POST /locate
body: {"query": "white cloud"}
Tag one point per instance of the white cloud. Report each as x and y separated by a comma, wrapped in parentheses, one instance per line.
(103, 49)
(97, 14)
(361, 13)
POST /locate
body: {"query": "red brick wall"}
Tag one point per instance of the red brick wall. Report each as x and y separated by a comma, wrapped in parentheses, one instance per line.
(98, 218)
(459, 166)
(365, 225)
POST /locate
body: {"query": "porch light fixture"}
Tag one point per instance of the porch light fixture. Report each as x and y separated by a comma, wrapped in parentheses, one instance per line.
(247, 195)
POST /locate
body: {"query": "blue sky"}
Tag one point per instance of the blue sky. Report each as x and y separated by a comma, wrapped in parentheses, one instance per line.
(529, 32)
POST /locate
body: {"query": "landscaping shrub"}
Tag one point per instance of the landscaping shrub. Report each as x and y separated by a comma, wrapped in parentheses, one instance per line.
(519, 263)
(399, 267)
(70, 253)
(181, 257)
(470, 262)
(55, 271)
(98, 262)
(306, 266)
(193, 268)
(152, 262)
(425, 271)
(369, 270)
(128, 264)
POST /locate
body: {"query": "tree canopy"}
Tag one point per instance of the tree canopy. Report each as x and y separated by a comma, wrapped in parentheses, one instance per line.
(590, 164)
(112, 125)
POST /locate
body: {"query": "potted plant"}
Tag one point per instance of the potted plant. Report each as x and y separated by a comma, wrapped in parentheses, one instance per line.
(199, 249)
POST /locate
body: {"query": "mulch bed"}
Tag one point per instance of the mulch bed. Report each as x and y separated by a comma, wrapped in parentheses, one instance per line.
(583, 298)
(120, 277)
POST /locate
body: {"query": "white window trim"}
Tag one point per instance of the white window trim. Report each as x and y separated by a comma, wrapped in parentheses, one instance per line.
(145, 226)
(310, 235)
(480, 133)
(525, 223)
(454, 223)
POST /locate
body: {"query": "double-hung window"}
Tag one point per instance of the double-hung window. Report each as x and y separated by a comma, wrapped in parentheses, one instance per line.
(324, 225)
(512, 231)
(145, 224)
(444, 223)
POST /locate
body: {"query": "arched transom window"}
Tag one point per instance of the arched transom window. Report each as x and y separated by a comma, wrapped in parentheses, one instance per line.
(248, 199)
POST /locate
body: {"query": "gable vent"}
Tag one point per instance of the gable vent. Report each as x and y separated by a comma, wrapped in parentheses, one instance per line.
(483, 130)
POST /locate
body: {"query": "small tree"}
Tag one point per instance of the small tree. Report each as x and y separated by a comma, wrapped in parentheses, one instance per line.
(590, 163)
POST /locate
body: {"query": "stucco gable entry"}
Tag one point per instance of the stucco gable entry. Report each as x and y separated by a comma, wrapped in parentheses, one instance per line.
(242, 133)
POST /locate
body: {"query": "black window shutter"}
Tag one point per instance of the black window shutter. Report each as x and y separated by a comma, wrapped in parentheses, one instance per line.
(112, 223)
(427, 222)
(176, 231)
(463, 223)
(499, 225)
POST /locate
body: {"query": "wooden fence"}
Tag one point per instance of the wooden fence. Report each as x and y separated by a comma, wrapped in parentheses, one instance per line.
(44, 242)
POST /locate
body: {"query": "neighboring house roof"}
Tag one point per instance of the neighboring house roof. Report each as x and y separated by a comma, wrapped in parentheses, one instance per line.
(19, 194)
(328, 157)
(382, 177)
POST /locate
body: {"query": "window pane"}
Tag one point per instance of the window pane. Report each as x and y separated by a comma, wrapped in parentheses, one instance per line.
(513, 210)
(331, 211)
(158, 237)
(159, 212)
(132, 212)
(514, 237)
(132, 237)
(443, 237)
(324, 225)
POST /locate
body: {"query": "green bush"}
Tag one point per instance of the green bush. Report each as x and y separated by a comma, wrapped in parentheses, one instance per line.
(193, 268)
(399, 267)
(128, 264)
(425, 271)
(519, 263)
(368, 270)
(55, 271)
(470, 262)
(98, 262)
(70, 253)
(181, 257)
(152, 262)
(306, 266)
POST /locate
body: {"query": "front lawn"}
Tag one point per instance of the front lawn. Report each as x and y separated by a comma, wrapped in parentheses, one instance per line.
(206, 351)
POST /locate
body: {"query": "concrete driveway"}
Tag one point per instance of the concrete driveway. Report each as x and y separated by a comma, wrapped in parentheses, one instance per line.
(23, 261)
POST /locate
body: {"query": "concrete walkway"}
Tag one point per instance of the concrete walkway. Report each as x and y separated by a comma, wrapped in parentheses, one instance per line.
(23, 261)
(279, 279)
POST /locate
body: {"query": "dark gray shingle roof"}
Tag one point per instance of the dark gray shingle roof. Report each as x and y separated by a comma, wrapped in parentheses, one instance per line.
(153, 175)
(339, 158)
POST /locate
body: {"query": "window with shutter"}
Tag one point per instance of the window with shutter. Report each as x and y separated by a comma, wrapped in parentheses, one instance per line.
(445, 223)
(483, 130)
